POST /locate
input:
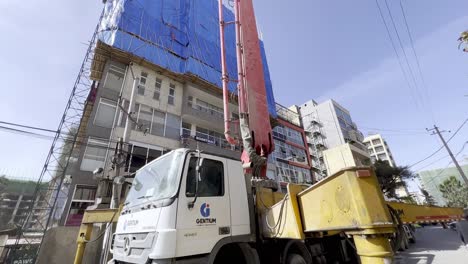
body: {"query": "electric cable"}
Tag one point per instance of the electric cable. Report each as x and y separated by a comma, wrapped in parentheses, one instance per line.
(396, 53)
(404, 52)
(441, 147)
(424, 84)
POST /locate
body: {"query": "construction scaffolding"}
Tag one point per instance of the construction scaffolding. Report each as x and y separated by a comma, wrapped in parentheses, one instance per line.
(50, 192)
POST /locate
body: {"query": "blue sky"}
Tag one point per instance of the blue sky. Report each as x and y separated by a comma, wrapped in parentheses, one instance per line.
(315, 49)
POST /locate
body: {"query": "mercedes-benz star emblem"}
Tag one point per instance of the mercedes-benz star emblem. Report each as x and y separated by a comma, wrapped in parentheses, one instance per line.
(127, 245)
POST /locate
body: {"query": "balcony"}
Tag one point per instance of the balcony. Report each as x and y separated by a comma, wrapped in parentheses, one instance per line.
(288, 115)
(216, 145)
(201, 115)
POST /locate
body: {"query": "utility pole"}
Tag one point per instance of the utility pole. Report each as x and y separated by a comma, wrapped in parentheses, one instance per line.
(117, 165)
(449, 152)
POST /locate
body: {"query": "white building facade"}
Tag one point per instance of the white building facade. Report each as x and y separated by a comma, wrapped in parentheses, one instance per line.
(378, 149)
(328, 125)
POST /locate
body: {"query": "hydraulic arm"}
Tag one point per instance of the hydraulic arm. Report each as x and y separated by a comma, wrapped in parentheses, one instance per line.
(254, 118)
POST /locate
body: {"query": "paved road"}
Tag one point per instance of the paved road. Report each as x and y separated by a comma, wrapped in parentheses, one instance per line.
(434, 245)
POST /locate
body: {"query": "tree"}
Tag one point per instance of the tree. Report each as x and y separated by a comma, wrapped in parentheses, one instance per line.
(3, 183)
(408, 199)
(391, 178)
(454, 192)
(428, 199)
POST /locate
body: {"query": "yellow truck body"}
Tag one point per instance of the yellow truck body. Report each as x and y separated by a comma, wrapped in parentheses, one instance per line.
(419, 214)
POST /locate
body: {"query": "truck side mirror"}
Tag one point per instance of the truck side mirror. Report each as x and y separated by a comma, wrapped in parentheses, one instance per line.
(198, 170)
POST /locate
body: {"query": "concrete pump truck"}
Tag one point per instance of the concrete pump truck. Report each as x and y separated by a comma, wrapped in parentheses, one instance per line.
(190, 206)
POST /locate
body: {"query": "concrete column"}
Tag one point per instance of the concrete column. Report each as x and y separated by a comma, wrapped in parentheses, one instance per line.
(16, 209)
(3, 241)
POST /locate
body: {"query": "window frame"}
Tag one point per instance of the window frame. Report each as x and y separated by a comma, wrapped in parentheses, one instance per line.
(95, 144)
(221, 182)
(101, 101)
(157, 89)
(142, 84)
(171, 97)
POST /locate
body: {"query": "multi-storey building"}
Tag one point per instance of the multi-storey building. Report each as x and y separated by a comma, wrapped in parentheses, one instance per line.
(174, 56)
(290, 159)
(378, 149)
(431, 179)
(328, 125)
(16, 198)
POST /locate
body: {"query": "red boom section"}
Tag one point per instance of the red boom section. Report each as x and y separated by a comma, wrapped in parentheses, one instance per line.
(254, 82)
(254, 118)
(252, 89)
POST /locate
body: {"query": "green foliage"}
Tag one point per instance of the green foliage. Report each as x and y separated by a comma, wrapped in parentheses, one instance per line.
(3, 183)
(391, 178)
(454, 192)
(408, 200)
(429, 200)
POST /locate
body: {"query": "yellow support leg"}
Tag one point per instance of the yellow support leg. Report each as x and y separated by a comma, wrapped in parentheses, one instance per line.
(373, 249)
(84, 235)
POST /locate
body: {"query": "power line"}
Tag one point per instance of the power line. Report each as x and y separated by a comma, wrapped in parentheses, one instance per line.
(417, 59)
(47, 137)
(30, 127)
(404, 53)
(396, 53)
(441, 147)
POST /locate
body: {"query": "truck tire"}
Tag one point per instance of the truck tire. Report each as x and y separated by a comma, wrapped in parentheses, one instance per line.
(294, 258)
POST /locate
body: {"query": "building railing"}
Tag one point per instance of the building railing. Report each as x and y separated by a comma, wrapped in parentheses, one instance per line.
(287, 115)
(219, 141)
(203, 109)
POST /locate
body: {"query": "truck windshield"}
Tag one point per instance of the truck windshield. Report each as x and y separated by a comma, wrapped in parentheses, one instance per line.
(157, 180)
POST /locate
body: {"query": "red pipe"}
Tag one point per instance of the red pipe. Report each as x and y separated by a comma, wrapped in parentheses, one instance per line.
(240, 67)
(225, 79)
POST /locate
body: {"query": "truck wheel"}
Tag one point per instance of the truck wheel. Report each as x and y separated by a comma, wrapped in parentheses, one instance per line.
(295, 259)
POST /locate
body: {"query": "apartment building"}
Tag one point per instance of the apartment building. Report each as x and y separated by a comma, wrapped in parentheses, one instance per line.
(378, 149)
(329, 125)
(431, 179)
(169, 112)
(291, 159)
(16, 198)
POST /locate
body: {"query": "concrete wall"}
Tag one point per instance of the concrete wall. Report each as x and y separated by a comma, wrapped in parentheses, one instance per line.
(59, 246)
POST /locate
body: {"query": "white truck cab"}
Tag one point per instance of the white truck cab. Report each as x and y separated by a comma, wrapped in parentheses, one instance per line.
(184, 203)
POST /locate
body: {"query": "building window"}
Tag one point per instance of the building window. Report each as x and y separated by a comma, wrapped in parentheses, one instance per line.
(376, 142)
(105, 113)
(379, 149)
(210, 137)
(157, 126)
(382, 157)
(211, 181)
(84, 193)
(190, 101)
(114, 77)
(186, 129)
(172, 126)
(141, 86)
(82, 198)
(145, 116)
(209, 108)
(156, 123)
(140, 156)
(171, 97)
(95, 154)
(157, 89)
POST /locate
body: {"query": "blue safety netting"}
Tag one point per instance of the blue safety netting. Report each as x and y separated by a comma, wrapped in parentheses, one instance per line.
(180, 35)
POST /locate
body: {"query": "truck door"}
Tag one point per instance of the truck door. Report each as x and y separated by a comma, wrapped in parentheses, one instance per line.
(201, 227)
